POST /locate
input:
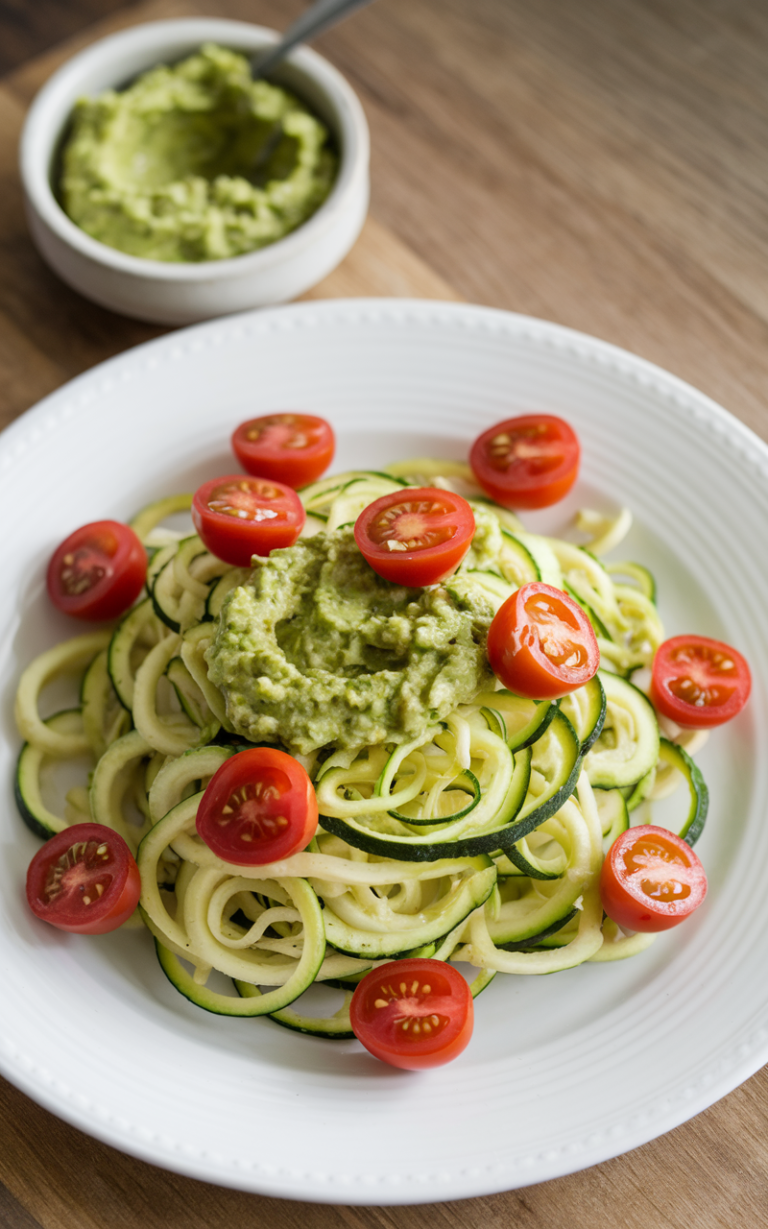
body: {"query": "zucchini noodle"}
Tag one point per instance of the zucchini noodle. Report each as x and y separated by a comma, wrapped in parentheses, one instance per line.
(480, 841)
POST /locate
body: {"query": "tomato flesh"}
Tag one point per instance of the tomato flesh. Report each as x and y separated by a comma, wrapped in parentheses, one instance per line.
(413, 1013)
(98, 571)
(541, 644)
(415, 537)
(259, 807)
(698, 682)
(651, 880)
(527, 462)
(238, 517)
(84, 880)
(291, 448)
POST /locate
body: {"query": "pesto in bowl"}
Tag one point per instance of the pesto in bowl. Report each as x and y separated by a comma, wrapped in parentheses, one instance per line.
(195, 162)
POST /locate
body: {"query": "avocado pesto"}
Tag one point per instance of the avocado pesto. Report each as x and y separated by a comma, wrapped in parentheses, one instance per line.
(195, 161)
(316, 649)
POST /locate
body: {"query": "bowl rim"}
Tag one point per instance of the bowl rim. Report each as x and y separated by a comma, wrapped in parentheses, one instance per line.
(53, 102)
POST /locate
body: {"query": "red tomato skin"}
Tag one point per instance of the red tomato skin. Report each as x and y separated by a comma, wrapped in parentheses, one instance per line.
(689, 715)
(235, 540)
(424, 566)
(379, 1032)
(624, 900)
(518, 659)
(111, 909)
(298, 804)
(270, 456)
(525, 486)
(109, 597)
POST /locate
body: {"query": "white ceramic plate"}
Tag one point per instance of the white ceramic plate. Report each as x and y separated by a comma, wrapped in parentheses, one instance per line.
(563, 1071)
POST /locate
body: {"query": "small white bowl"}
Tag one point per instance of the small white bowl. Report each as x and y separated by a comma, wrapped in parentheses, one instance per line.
(169, 293)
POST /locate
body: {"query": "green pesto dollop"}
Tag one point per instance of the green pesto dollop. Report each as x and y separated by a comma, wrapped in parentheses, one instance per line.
(195, 161)
(316, 649)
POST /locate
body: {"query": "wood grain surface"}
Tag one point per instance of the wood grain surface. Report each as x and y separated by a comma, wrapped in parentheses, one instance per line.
(602, 164)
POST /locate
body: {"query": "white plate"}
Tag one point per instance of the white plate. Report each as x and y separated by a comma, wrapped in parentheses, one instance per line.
(563, 1071)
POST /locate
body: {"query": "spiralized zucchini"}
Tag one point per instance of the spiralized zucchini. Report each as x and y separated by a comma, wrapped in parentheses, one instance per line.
(480, 841)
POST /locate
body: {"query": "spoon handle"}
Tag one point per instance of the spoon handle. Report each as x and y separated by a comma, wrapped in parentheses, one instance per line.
(319, 16)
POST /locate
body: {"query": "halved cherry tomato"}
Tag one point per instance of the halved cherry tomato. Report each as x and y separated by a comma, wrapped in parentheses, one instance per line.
(84, 879)
(415, 536)
(98, 571)
(413, 1013)
(238, 517)
(541, 643)
(259, 807)
(651, 880)
(698, 682)
(526, 462)
(291, 448)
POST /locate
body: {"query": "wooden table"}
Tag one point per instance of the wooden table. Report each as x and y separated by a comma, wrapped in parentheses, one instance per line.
(602, 164)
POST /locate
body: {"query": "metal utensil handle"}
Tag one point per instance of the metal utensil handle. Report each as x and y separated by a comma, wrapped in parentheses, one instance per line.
(318, 17)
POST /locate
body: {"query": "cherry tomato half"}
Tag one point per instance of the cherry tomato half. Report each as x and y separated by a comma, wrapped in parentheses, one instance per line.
(291, 448)
(84, 879)
(651, 880)
(259, 807)
(541, 643)
(413, 1013)
(415, 536)
(238, 517)
(98, 571)
(699, 682)
(526, 462)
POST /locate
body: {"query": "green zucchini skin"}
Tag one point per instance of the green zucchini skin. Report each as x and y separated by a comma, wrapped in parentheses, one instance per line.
(467, 847)
(639, 792)
(471, 779)
(535, 732)
(482, 981)
(525, 945)
(607, 771)
(344, 983)
(219, 590)
(597, 623)
(156, 594)
(119, 651)
(693, 825)
(614, 814)
(26, 791)
(514, 821)
(503, 705)
(525, 867)
(464, 847)
(530, 820)
(236, 1006)
(181, 980)
(325, 1028)
(597, 708)
(157, 561)
(35, 825)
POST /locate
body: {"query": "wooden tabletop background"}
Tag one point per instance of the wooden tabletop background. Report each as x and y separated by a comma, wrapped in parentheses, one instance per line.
(603, 164)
